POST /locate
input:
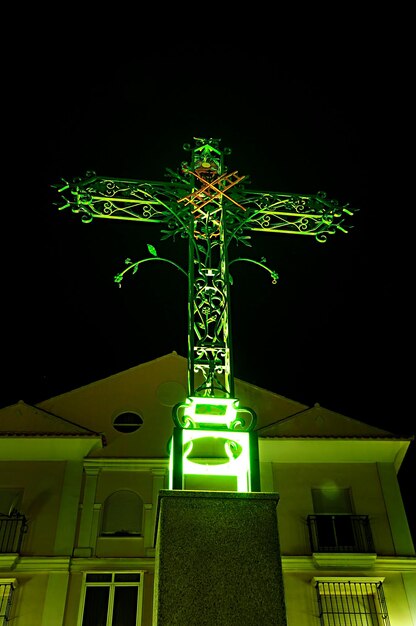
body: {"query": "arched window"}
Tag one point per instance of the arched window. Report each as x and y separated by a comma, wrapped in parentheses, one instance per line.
(122, 514)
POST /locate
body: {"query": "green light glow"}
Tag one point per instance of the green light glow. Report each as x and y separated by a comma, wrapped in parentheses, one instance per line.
(213, 438)
(206, 412)
(215, 453)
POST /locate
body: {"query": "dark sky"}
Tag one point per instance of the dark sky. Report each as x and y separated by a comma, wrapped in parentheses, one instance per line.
(336, 327)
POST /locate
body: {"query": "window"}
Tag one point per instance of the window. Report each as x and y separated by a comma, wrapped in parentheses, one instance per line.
(111, 599)
(332, 500)
(12, 529)
(127, 422)
(122, 514)
(10, 500)
(340, 533)
(335, 533)
(351, 602)
(333, 525)
(7, 587)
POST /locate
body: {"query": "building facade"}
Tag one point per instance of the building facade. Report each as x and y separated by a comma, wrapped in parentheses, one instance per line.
(80, 479)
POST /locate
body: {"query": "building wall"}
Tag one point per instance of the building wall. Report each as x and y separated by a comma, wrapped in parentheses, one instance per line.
(73, 599)
(29, 599)
(42, 483)
(301, 604)
(147, 615)
(294, 483)
(51, 584)
(110, 481)
(301, 598)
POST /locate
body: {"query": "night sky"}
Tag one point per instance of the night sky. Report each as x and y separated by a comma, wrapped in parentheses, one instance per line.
(336, 327)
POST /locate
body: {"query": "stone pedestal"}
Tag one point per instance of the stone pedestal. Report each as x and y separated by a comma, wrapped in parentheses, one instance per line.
(218, 560)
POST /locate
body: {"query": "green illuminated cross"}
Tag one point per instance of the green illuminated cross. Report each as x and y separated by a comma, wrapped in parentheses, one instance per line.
(209, 206)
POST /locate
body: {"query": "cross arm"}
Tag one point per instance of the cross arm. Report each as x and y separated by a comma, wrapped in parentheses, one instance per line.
(117, 198)
(289, 213)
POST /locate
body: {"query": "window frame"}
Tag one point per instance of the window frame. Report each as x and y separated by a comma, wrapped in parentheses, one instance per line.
(129, 425)
(14, 497)
(8, 599)
(332, 501)
(107, 511)
(112, 585)
(343, 584)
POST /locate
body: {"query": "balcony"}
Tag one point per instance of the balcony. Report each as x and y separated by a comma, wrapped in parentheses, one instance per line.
(340, 533)
(12, 529)
(6, 595)
(341, 540)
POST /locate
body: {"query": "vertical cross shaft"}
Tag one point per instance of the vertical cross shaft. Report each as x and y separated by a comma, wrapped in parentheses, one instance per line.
(209, 320)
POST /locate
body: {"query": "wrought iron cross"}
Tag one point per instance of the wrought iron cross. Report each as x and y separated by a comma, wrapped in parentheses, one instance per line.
(212, 208)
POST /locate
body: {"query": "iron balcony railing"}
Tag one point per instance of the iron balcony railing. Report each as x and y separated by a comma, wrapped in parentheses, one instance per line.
(352, 603)
(6, 596)
(12, 529)
(340, 533)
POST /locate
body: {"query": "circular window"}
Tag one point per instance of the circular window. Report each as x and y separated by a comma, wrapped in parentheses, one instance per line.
(170, 393)
(127, 422)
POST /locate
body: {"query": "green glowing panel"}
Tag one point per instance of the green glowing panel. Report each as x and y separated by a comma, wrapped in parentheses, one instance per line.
(207, 412)
(194, 482)
(212, 459)
(224, 413)
(211, 409)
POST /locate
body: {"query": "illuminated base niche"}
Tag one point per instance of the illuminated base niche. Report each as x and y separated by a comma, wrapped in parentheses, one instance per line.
(218, 560)
(214, 460)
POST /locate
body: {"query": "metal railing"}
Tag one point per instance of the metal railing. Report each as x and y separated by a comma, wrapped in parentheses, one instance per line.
(12, 529)
(352, 603)
(340, 533)
(6, 595)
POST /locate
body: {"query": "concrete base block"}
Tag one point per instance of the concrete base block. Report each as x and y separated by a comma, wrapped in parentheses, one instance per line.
(218, 560)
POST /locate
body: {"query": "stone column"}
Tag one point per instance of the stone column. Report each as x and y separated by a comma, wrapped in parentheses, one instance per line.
(218, 560)
(84, 548)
